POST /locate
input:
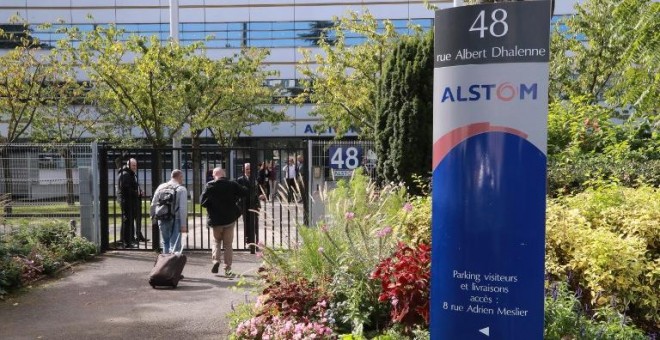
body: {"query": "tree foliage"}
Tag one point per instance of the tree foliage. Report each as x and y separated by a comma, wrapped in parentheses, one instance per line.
(135, 79)
(23, 90)
(344, 83)
(404, 130)
(604, 85)
(608, 53)
(227, 95)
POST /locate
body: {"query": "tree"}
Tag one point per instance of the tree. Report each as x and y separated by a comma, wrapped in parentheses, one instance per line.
(608, 55)
(137, 82)
(404, 135)
(605, 47)
(23, 91)
(226, 96)
(346, 82)
(68, 112)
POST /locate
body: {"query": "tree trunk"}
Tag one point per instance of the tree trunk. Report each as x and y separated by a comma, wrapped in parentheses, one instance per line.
(67, 154)
(197, 166)
(6, 177)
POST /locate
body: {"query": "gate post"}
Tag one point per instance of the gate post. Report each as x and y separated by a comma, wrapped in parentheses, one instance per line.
(103, 196)
(156, 157)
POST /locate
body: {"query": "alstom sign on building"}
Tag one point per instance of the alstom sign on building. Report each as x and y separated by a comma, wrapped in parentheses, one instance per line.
(489, 169)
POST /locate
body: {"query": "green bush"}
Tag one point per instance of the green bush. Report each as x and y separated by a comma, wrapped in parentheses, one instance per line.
(565, 319)
(570, 175)
(415, 225)
(606, 241)
(30, 251)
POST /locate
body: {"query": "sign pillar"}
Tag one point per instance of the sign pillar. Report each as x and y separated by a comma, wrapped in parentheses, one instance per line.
(490, 103)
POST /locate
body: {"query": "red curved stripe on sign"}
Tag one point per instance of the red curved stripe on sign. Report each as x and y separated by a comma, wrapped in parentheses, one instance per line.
(447, 142)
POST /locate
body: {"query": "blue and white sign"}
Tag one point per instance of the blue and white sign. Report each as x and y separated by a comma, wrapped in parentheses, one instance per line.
(343, 159)
(490, 109)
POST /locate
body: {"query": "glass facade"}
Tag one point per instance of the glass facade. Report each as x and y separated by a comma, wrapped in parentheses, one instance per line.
(265, 34)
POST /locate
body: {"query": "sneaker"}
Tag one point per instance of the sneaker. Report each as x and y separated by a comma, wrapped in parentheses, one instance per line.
(229, 274)
(214, 270)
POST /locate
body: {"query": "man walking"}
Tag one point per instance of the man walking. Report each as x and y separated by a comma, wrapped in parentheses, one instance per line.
(169, 207)
(221, 198)
(250, 205)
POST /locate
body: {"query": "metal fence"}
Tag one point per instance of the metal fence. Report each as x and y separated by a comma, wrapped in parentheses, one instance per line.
(332, 161)
(42, 183)
(278, 220)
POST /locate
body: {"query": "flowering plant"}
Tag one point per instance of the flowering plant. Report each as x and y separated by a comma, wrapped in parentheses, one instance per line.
(405, 284)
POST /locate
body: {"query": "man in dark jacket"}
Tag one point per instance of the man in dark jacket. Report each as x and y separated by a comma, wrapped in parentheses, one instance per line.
(220, 198)
(250, 205)
(129, 197)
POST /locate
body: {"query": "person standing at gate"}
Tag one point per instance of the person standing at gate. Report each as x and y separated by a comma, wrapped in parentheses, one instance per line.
(262, 179)
(290, 174)
(221, 198)
(169, 206)
(250, 206)
(272, 180)
(129, 196)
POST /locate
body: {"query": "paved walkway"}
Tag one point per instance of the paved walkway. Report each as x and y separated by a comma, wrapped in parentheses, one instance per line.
(109, 298)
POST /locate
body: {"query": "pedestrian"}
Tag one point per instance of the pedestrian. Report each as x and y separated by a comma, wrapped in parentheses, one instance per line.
(272, 180)
(169, 207)
(262, 179)
(221, 198)
(250, 206)
(290, 174)
(129, 196)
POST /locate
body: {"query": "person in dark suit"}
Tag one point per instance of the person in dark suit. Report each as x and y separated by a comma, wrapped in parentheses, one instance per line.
(250, 206)
(129, 196)
(221, 198)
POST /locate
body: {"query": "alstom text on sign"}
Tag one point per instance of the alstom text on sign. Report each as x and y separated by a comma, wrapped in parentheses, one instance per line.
(504, 91)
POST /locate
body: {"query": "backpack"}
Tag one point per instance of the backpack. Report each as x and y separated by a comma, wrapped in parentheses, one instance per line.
(165, 203)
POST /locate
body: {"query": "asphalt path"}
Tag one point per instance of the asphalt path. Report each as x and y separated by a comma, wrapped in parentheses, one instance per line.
(110, 298)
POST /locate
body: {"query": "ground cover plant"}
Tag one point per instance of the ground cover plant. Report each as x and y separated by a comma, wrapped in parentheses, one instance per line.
(30, 252)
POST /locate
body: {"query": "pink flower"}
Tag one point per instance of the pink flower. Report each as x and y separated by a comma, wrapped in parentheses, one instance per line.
(384, 232)
(321, 250)
(324, 228)
(408, 207)
(259, 254)
(349, 215)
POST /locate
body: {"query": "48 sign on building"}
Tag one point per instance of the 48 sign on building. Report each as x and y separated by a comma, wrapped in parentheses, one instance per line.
(344, 159)
(489, 168)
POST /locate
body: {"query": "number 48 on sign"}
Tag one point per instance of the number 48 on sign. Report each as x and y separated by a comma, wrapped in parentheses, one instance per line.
(343, 158)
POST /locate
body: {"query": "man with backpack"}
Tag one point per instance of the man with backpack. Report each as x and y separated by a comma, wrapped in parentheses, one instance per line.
(221, 198)
(169, 207)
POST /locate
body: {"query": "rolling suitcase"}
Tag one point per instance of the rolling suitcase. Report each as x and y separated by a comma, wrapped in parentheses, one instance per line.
(167, 270)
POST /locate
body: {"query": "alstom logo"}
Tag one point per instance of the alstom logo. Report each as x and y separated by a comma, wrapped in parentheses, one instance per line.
(505, 92)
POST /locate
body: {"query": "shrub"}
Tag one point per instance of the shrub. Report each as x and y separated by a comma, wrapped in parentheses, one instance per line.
(404, 282)
(415, 225)
(605, 241)
(28, 252)
(574, 174)
(565, 319)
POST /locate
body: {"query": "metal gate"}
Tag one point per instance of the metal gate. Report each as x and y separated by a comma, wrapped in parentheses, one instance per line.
(278, 220)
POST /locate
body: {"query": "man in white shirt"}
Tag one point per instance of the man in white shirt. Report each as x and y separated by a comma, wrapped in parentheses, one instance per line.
(290, 174)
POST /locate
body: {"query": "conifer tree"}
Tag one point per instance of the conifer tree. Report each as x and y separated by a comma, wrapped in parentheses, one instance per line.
(404, 125)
